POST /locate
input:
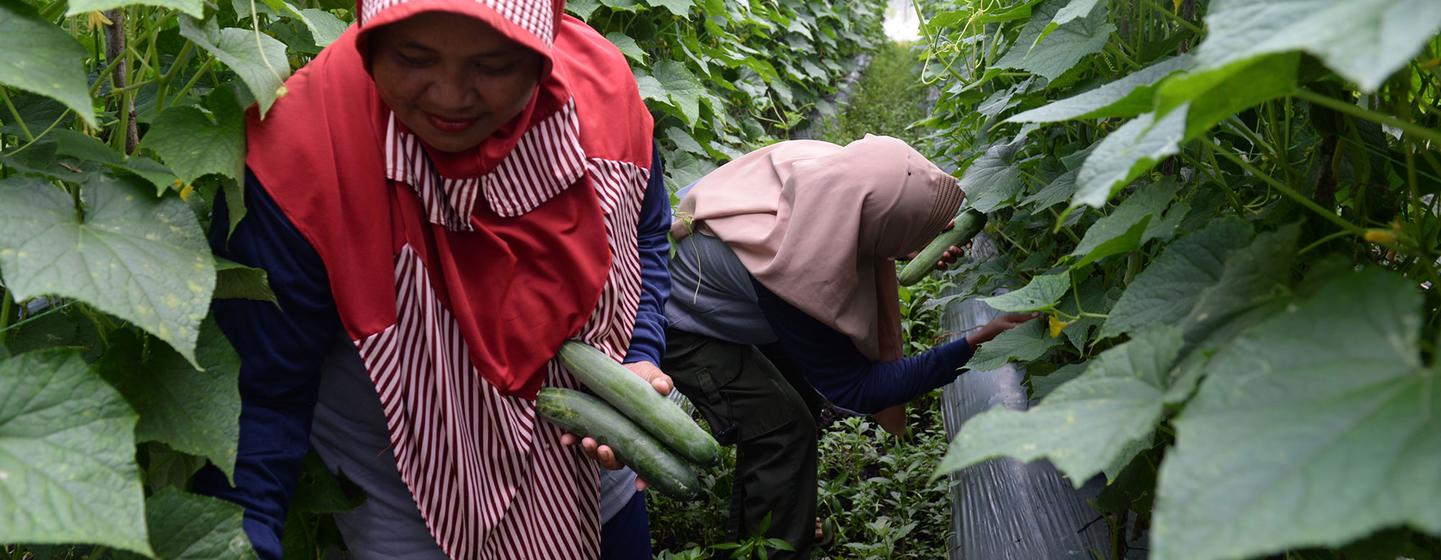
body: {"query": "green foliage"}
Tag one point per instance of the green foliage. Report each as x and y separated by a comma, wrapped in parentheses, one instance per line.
(1249, 260)
(723, 78)
(53, 65)
(125, 252)
(109, 165)
(186, 526)
(67, 448)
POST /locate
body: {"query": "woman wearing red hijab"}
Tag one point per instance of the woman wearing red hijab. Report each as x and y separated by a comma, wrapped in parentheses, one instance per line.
(444, 196)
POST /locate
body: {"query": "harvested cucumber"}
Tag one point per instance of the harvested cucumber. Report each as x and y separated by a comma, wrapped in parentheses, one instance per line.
(582, 414)
(968, 224)
(637, 400)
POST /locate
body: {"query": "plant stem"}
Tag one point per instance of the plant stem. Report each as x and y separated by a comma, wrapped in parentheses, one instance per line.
(1292, 194)
(1231, 195)
(5, 95)
(1322, 241)
(199, 73)
(7, 307)
(1433, 136)
(115, 50)
(41, 135)
(1181, 20)
(109, 67)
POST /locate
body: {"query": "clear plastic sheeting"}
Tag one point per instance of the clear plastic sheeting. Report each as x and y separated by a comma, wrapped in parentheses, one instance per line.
(1004, 509)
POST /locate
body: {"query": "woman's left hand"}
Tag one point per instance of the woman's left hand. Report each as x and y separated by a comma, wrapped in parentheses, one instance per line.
(603, 454)
(949, 257)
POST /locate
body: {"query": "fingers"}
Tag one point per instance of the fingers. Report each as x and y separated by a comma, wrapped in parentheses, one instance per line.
(658, 379)
(641, 485)
(662, 384)
(602, 454)
(949, 257)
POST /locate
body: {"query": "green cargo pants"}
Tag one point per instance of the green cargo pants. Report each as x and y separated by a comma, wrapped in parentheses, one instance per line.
(769, 416)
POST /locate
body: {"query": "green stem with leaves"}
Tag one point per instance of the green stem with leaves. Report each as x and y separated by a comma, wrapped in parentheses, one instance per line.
(25, 130)
(7, 308)
(1430, 135)
(1291, 193)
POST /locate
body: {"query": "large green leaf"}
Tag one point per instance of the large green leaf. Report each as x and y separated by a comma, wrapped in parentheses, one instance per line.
(77, 145)
(257, 58)
(195, 8)
(1314, 428)
(1040, 294)
(1121, 231)
(1363, 40)
(41, 58)
(1128, 153)
(185, 526)
(993, 180)
(1024, 343)
(324, 27)
(684, 141)
(1215, 96)
(133, 256)
(650, 88)
(1126, 97)
(195, 142)
(1189, 105)
(1074, 9)
(1062, 48)
(197, 412)
(237, 281)
(682, 87)
(582, 8)
(1088, 425)
(1166, 291)
(1059, 190)
(677, 7)
(627, 46)
(67, 456)
(1253, 275)
(1042, 385)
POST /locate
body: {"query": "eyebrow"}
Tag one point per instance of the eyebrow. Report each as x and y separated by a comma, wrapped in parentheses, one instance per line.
(499, 54)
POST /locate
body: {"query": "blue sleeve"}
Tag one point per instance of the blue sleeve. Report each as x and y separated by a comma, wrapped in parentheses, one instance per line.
(647, 342)
(281, 351)
(838, 370)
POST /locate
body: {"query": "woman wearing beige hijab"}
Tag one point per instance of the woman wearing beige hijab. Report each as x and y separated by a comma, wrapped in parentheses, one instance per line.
(784, 292)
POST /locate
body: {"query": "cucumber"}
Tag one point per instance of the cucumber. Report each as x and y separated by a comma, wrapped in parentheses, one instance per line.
(582, 414)
(968, 224)
(637, 400)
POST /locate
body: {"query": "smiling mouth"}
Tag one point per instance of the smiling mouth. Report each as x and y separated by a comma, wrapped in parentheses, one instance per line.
(450, 125)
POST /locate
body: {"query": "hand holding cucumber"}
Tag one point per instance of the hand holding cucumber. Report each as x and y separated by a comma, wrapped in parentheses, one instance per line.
(603, 454)
(951, 253)
(631, 423)
(944, 248)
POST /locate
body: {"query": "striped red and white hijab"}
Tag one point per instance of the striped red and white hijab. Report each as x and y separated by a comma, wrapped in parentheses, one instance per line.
(458, 276)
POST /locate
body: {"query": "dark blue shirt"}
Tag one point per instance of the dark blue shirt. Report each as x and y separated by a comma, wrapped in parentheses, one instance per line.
(282, 348)
(716, 296)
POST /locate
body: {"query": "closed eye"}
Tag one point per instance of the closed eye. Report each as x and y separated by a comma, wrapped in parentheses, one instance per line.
(415, 61)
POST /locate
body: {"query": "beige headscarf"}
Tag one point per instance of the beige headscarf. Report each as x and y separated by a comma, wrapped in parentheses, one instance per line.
(819, 224)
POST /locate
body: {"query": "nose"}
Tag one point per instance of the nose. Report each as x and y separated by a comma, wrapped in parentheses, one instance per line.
(451, 90)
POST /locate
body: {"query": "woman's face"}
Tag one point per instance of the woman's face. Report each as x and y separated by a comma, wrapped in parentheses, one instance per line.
(451, 79)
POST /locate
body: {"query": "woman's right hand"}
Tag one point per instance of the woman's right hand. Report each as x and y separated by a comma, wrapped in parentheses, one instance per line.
(603, 454)
(997, 326)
